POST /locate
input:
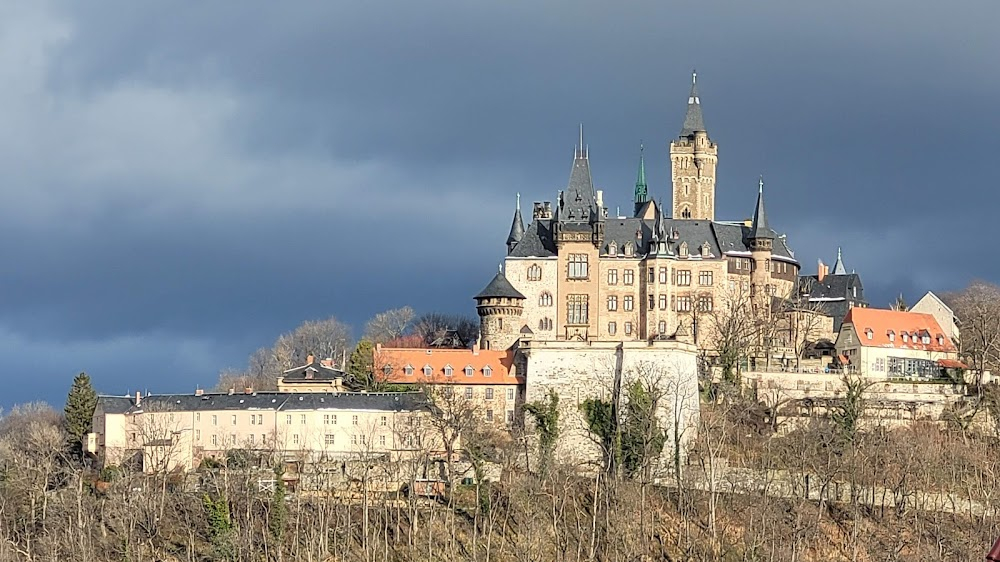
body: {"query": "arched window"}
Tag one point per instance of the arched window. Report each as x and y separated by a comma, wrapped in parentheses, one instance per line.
(629, 249)
(684, 249)
(685, 213)
(534, 273)
(612, 249)
(545, 299)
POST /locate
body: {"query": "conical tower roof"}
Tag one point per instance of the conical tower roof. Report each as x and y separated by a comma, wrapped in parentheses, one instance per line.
(760, 228)
(499, 287)
(517, 226)
(693, 119)
(641, 189)
(838, 268)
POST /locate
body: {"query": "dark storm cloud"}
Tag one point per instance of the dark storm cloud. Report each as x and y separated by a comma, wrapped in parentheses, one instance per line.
(181, 185)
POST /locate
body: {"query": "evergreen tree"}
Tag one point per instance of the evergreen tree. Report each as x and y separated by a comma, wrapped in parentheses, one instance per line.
(361, 363)
(79, 410)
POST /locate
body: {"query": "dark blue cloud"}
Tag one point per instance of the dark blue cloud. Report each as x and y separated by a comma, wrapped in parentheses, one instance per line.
(182, 185)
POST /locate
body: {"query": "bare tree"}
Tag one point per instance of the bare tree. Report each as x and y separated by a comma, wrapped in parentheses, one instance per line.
(732, 329)
(432, 325)
(389, 325)
(978, 309)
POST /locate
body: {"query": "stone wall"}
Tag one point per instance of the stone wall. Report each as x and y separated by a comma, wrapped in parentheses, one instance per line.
(577, 371)
(516, 271)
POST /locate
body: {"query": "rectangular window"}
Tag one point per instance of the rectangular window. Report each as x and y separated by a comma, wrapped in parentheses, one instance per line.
(510, 394)
(651, 275)
(652, 302)
(628, 328)
(489, 415)
(663, 275)
(628, 303)
(468, 393)
(232, 439)
(215, 440)
(628, 276)
(260, 419)
(197, 416)
(578, 266)
(510, 417)
(295, 439)
(612, 303)
(215, 419)
(354, 420)
(684, 304)
(381, 440)
(383, 421)
(663, 302)
(328, 439)
(197, 435)
(329, 419)
(253, 419)
(612, 328)
(705, 303)
(233, 420)
(684, 277)
(576, 310)
(354, 440)
(489, 393)
(739, 264)
(252, 440)
(705, 278)
(302, 419)
(612, 277)
(288, 419)
(662, 327)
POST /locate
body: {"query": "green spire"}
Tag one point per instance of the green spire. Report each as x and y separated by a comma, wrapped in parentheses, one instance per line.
(641, 192)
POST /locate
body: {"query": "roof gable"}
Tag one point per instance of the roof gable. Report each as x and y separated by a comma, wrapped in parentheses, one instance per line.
(877, 327)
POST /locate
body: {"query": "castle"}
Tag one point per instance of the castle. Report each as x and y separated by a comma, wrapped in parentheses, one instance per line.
(588, 276)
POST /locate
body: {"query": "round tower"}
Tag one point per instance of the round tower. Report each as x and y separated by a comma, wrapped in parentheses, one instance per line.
(761, 242)
(500, 306)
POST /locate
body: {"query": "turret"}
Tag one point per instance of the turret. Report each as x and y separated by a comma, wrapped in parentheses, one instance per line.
(500, 306)
(516, 227)
(693, 159)
(761, 242)
(641, 189)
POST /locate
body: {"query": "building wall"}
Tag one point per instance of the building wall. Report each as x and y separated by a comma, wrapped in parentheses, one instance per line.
(577, 371)
(693, 166)
(929, 304)
(569, 288)
(864, 358)
(516, 271)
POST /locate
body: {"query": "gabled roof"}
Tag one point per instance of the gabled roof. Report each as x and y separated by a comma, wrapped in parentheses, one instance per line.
(883, 322)
(396, 359)
(312, 372)
(499, 287)
(838, 267)
(261, 401)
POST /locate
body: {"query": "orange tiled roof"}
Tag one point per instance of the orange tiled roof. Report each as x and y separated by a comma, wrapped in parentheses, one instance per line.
(407, 366)
(887, 327)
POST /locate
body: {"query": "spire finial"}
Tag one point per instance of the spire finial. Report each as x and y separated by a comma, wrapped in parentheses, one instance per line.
(760, 184)
(519, 201)
(694, 76)
(499, 268)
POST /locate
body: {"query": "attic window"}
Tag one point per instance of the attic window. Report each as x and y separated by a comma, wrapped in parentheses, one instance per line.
(613, 249)
(448, 371)
(940, 340)
(427, 370)
(408, 370)
(926, 339)
(869, 333)
(906, 337)
(387, 369)
(487, 372)
(684, 249)
(468, 370)
(629, 249)
(706, 249)
(892, 335)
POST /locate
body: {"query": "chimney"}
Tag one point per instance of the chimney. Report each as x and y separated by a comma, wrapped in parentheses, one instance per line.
(231, 391)
(600, 199)
(475, 348)
(822, 270)
(138, 398)
(248, 390)
(199, 392)
(343, 359)
(310, 359)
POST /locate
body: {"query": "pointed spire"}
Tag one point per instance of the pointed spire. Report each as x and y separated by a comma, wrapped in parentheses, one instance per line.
(760, 229)
(838, 268)
(579, 202)
(641, 190)
(693, 119)
(516, 227)
(582, 151)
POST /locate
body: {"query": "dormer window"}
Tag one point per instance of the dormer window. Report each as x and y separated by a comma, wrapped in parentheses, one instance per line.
(448, 371)
(892, 335)
(706, 250)
(469, 370)
(869, 333)
(926, 339)
(684, 249)
(940, 340)
(428, 370)
(629, 249)
(487, 372)
(387, 370)
(408, 370)
(612, 249)
(906, 337)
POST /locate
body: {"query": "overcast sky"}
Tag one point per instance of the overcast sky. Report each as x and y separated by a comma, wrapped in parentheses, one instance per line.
(179, 186)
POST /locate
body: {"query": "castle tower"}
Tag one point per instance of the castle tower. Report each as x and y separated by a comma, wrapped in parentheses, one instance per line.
(500, 306)
(761, 239)
(693, 159)
(516, 227)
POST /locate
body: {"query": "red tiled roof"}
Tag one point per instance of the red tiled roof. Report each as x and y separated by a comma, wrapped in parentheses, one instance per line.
(485, 366)
(952, 364)
(887, 327)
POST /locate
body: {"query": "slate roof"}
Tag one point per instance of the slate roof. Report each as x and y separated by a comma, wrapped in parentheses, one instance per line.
(499, 287)
(759, 228)
(537, 241)
(693, 119)
(578, 203)
(320, 373)
(263, 401)
(517, 225)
